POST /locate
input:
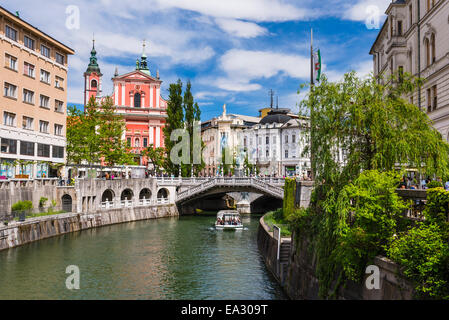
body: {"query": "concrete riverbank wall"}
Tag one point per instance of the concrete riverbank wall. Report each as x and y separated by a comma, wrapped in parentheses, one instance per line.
(299, 280)
(268, 246)
(20, 233)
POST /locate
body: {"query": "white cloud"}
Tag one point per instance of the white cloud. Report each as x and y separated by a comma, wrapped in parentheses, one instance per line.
(254, 10)
(243, 66)
(362, 10)
(241, 29)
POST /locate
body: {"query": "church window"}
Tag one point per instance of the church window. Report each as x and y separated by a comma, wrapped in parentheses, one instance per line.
(137, 101)
(94, 84)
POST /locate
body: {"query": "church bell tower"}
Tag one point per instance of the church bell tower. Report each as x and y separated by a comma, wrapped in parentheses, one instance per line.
(92, 77)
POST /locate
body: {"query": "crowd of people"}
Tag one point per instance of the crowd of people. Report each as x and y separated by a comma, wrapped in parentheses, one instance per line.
(232, 222)
(412, 183)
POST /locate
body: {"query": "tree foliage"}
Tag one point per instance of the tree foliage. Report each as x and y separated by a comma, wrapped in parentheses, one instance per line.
(156, 156)
(354, 210)
(96, 134)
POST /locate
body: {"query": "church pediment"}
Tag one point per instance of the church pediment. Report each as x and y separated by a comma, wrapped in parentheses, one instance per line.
(137, 75)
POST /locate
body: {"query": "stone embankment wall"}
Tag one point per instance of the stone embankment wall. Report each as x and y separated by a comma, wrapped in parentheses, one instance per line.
(301, 281)
(268, 246)
(20, 233)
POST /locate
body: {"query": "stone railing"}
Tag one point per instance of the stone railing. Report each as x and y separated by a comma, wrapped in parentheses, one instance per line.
(28, 183)
(132, 203)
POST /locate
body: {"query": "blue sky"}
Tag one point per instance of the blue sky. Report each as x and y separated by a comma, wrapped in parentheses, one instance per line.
(232, 51)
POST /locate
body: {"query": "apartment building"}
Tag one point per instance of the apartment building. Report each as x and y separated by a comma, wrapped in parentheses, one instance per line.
(414, 39)
(33, 77)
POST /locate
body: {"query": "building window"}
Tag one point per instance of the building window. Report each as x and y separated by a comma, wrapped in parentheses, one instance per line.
(267, 140)
(401, 74)
(10, 62)
(244, 142)
(27, 123)
(432, 45)
(59, 82)
(9, 146)
(43, 126)
(129, 141)
(429, 101)
(45, 76)
(410, 14)
(44, 101)
(58, 152)
(59, 106)
(11, 33)
(93, 84)
(29, 43)
(145, 142)
(9, 119)
(10, 90)
(399, 31)
(58, 130)
(28, 96)
(293, 138)
(28, 69)
(286, 139)
(26, 148)
(427, 45)
(45, 51)
(43, 150)
(60, 58)
(267, 152)
(137, 100)
(435, 97)
(286, 154)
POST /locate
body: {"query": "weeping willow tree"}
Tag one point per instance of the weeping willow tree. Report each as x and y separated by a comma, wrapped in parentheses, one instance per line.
(371, 123)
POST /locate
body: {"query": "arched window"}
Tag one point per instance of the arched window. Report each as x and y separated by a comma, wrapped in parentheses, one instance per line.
(427, 45)
(137, 143)
(137, 101)
(432, 44)
(94, 84)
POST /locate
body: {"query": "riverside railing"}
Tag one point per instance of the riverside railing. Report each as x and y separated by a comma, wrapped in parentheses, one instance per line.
(118, 204)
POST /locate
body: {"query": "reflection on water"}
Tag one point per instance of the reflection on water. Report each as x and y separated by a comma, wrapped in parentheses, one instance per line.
(157, 259)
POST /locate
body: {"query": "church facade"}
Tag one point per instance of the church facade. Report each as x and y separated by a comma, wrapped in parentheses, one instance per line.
(137, 98)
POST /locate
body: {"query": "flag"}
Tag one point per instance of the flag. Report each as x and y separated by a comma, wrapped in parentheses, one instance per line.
(317, 65)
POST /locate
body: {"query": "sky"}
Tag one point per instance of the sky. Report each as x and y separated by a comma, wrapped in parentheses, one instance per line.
(232, 51)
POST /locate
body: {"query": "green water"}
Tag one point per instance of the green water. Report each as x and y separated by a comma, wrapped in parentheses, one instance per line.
(172, 258)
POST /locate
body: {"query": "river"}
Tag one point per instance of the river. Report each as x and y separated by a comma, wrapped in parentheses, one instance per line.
(173, 258)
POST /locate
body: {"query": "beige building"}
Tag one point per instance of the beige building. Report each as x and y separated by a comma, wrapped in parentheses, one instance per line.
(415, 39)
(221, 132)
(33, 77)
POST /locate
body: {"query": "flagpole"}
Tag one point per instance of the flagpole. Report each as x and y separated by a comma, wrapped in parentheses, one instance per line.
(311, 107)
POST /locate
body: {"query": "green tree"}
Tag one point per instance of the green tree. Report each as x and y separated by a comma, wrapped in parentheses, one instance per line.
(376, 127)
(174, 121)
(156, 156)
(83, 141)
(113, 149)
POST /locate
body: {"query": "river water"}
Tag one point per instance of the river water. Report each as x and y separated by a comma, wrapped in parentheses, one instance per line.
(173, 258)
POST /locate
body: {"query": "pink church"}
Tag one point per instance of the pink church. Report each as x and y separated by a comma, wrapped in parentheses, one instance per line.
(137, 97)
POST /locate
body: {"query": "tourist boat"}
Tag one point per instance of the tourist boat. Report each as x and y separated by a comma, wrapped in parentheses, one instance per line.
(225, 219)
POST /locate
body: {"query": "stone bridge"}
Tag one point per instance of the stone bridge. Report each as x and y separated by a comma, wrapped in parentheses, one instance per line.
(227, 185)
(92, 195)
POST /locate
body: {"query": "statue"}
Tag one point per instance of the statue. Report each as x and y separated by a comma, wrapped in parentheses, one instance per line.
(224, 109)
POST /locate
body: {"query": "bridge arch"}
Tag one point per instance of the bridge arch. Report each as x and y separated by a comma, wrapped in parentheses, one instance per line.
(145, 193)
(108, 195)
(163, 193)
(127, 194)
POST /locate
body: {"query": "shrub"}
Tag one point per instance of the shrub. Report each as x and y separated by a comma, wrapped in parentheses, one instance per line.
(42, 202)
(434, 184)
(22, 206)
(437, 206)
(423, 254)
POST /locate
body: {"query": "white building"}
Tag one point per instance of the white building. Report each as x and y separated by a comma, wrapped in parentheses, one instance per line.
(414, 39)
(276, 143)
